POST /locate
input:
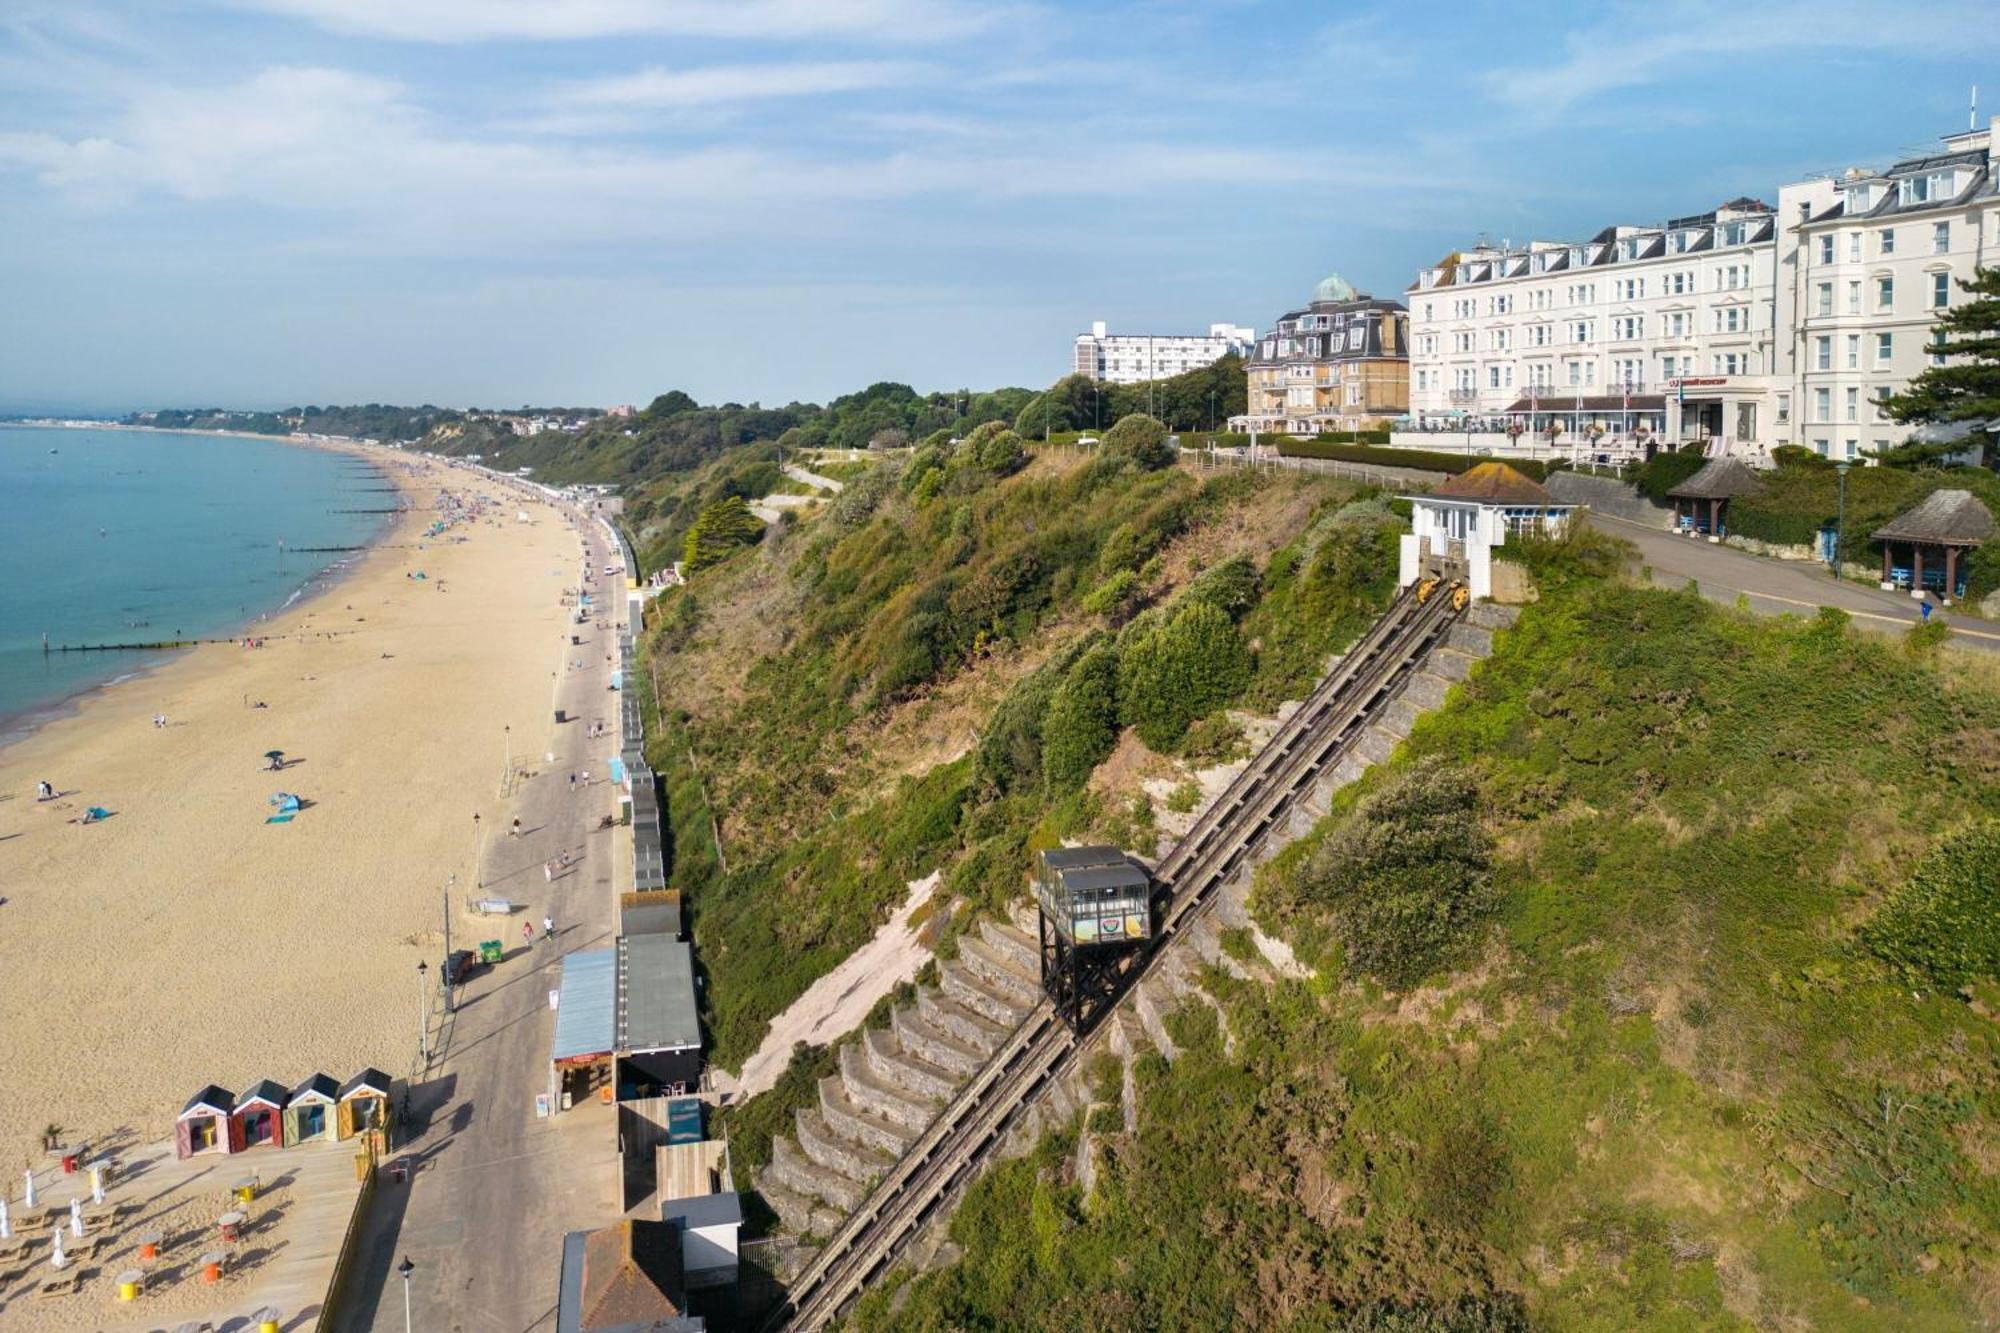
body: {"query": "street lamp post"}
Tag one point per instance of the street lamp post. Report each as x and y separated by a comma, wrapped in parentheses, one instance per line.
(1840, 522)
(404, 1269)
(423, 1004)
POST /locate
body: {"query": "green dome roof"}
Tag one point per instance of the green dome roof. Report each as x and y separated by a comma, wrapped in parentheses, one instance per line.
(1334, 288)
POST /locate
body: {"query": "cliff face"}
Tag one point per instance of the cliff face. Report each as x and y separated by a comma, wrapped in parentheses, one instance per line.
(1704, 1061)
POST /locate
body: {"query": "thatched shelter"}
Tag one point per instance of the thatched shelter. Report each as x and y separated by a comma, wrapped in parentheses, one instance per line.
(1701, 502)
(1945, 526)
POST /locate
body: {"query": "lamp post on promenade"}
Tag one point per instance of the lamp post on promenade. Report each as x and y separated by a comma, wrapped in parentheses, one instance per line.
(405, 1269)
(1840, 522)
(423, 1024)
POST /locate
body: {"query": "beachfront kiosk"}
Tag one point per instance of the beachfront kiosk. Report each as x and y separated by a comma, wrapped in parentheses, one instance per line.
(309, 1112)
(259, 1115)
(206, 1124)
(363, 1104)
(1458, 523)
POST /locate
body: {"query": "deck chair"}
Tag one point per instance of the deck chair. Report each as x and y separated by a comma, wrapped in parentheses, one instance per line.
(66, 1283)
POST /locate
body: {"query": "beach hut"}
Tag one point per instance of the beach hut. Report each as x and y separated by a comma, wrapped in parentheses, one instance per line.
(364, 1104)
(259, 1117)
(309, 1113)
(206, 1125)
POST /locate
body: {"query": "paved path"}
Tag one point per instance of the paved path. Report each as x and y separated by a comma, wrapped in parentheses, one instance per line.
(797, 473)
(1776, 587)
(496, 1187)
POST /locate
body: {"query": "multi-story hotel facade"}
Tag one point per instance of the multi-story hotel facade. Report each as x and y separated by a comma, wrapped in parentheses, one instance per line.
(1647, 333)
(1868, 262)
(1736, 330)
(1134, 358)
(1339, 363)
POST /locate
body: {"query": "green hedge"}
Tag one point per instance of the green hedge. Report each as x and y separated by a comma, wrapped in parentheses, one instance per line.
(1411, 458)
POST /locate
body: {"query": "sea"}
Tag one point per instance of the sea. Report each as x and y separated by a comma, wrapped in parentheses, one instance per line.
(121, 536)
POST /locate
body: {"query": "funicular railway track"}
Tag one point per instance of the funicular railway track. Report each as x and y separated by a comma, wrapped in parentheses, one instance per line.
(1226, 838)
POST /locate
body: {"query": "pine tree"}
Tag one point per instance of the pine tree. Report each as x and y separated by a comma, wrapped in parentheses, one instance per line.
(1967, 386)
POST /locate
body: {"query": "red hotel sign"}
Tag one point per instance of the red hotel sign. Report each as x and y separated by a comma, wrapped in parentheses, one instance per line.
(1711, 382)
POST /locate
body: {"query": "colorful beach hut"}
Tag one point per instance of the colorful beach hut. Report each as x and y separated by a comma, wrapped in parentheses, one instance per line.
(309, 1112)
(206, 1125)
(259, 1117)
(363, 1105)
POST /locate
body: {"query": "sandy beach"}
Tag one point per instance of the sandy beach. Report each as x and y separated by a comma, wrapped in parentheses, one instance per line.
(184, 940)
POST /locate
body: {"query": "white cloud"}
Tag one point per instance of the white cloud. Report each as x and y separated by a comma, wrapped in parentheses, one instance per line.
(1638, 45)
(719, 84)
(559, 20)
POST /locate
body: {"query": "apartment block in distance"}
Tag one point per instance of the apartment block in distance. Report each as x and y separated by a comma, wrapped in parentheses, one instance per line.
(1134, 358)
(1338, 363)
(1868, 261)
(1648, 334)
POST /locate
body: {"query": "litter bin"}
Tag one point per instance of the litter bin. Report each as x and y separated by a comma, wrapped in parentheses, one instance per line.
(562, 715)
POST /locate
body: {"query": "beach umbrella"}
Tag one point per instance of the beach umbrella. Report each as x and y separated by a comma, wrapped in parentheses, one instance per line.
(274, 756)
(6, 1222)
(29, 1193)
(56, 1254)
(76, 1218)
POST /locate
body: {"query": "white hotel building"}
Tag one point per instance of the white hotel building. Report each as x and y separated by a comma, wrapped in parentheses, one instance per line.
(1737, 330)
(1658, 332)
(1134, 358)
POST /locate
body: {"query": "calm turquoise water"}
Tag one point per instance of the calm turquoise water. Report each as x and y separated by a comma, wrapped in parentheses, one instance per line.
(120, 536)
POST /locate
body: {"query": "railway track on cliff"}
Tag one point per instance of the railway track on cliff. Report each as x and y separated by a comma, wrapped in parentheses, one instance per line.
(1224, 842)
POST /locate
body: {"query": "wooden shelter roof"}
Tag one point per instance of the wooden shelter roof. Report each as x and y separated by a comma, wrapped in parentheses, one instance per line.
(1494, 483)
(317, 1087)
(1944, 518)
(1719, 479)
(631, 1274)
(268, 1091)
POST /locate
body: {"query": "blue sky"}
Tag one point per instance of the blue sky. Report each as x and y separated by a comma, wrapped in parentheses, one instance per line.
(264, 202)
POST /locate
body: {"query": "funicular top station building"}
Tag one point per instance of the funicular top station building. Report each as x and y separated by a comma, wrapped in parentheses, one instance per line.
(1096, 904)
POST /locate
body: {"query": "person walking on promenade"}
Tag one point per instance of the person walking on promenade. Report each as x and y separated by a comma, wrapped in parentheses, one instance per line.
(527, 933)
(572, 782)
(548, 927)
(548, 872)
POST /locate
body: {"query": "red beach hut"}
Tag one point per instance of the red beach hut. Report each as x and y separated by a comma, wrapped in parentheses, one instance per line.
(206, 1125)
(260, 1116)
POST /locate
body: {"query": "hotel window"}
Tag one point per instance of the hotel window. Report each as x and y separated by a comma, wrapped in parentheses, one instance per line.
(1823, 353)
(1826, 249)
(1880, 445)
(1355, 337)
(1941, 238)
(1677, 284)
(1825, 293)
(1822, 405)
(1854, 246)
(1875, 397)
(1885, 293)
(1589, 373)
(1851, 451)
(1887, 239)
(1854, 351)
(1819, 447)
(1575, 372)
(1784, 408)
(1502, 339)
(1854, 297)
(1580, 332)
(1885, 348)
(1854, 404)
(1629, 327)
(1538, 335)
(1726, 363)
(1940, 290)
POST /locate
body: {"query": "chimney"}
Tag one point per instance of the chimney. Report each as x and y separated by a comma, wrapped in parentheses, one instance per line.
(1097, 329)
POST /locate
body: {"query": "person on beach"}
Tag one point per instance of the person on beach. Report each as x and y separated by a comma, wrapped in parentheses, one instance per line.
(548, 872)
(527, 933)
(548, 927)
(44, 792)
(572, 782)
(515, 831)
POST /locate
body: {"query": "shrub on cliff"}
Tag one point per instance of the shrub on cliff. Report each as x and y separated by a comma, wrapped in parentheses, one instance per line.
(1141, 439)
(1081, 725)
(1406, 877)
(722, 528)
(1943, 927)
(1178, 670)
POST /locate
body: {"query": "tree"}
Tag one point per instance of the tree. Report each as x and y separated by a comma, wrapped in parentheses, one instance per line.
(889, 437)
(1141, 439)
(1179, 670)
(719, 531)
(1407, 876)
(1081, 725)
(1967, 386)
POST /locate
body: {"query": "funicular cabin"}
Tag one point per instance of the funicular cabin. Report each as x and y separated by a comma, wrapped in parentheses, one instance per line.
(1096, 906)
(309, 1111)
(206, 1125)
(259, 1114)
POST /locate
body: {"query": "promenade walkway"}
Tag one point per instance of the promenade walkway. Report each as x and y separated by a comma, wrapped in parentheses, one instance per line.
(495, 1186)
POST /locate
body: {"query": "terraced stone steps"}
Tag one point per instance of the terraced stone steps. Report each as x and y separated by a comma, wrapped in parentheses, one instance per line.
(892, 1082)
